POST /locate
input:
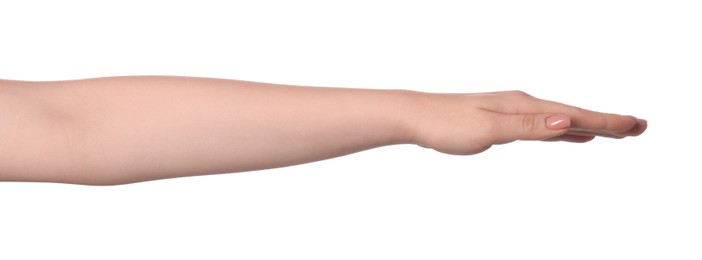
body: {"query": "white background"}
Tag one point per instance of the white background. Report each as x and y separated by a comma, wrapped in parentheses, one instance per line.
(636, 198)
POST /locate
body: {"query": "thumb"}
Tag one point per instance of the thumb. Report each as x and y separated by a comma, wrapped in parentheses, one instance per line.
(530, 127)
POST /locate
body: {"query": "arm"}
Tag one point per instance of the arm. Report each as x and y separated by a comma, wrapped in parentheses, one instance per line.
(129, 129)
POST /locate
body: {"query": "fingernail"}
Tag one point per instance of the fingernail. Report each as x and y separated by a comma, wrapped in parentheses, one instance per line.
(558, 122)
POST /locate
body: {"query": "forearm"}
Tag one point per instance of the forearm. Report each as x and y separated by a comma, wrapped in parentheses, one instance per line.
(128, 129)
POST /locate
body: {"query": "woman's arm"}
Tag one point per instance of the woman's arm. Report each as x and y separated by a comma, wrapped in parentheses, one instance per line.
(128, 129)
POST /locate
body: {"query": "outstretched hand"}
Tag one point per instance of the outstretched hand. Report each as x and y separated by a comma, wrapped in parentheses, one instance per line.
(471, 123)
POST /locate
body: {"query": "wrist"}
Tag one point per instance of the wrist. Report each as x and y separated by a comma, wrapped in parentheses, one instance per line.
(407, 116)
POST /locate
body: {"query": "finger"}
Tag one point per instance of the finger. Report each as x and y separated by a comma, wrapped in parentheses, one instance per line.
(572, 138)
(593, 133)
(508, 127)
(638, 129)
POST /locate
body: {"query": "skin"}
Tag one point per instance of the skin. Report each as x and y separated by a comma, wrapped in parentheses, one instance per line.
(118, 130)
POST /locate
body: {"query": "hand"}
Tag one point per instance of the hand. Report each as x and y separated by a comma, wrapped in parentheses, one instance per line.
(471, 123)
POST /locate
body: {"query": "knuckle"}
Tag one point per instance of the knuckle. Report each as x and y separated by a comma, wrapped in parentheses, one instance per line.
(518, 93)
(575, 110)
(529, 123)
